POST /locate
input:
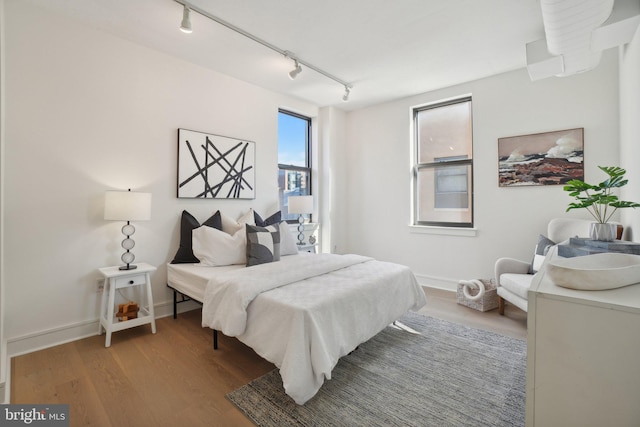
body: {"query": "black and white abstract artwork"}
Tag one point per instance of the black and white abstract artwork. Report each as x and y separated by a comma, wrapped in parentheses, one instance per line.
(215, 167)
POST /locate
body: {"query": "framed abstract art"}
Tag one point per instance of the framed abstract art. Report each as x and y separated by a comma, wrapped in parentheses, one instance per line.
(215, 167)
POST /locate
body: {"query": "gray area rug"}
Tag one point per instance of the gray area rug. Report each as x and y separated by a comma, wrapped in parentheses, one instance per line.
(450, 375)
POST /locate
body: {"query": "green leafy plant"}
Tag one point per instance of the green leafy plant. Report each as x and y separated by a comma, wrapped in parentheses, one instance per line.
(598, 199)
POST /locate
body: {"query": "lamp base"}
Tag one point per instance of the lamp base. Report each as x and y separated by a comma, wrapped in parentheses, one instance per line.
(300, 230)
(128, 267)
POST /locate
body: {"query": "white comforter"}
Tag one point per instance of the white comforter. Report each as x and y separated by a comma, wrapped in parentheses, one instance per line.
(305, 312)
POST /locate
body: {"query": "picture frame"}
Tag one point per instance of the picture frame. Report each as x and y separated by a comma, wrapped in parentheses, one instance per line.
(548, 158)
(214, 166)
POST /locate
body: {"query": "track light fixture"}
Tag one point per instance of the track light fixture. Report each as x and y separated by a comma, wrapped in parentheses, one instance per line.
(347, 91)
(185, 25)
(297, 70)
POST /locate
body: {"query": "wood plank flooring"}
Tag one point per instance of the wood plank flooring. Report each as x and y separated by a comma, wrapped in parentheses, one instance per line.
(442, 304)
(175, 377)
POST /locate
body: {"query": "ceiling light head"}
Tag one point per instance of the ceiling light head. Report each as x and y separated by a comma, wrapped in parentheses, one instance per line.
(347, 91)
(297, 70)
(185, 25)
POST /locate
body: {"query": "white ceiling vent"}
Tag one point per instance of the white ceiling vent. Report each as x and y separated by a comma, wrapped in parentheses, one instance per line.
(577, 31)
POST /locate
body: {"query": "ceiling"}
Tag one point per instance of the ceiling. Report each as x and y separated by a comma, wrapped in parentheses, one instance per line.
(385, 49)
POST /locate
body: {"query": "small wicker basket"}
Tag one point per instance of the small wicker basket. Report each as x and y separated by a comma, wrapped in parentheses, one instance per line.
(489, 300)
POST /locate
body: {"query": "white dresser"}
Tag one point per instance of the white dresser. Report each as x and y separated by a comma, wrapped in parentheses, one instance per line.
(583, 356)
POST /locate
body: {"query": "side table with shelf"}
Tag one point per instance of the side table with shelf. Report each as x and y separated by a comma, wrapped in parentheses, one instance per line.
(308, 247)
(117, 279)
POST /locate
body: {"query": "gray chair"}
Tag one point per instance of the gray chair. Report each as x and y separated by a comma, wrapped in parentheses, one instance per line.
(514, 277)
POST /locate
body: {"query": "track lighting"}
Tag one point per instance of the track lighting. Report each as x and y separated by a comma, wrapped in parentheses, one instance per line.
(185, 25)
(347, 91)
(297, 70)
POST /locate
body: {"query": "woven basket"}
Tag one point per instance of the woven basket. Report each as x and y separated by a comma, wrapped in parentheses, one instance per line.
(489, 300)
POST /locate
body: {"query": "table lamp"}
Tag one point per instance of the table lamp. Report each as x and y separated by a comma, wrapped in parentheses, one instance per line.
(300, 205)
(127, 206)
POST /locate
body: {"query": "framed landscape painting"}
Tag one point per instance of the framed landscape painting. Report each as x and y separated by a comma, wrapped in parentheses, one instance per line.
(214, 166)
(550, 158)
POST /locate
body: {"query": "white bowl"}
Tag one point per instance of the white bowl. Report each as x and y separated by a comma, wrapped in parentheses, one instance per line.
(595, 272)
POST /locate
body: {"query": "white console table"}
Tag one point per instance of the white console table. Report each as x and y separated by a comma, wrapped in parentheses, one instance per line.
(583, 356)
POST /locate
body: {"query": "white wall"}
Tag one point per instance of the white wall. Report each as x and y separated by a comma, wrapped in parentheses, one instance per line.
(86, 113)
(630, 131)
(3, 345)
(333, 165)
(508, 220)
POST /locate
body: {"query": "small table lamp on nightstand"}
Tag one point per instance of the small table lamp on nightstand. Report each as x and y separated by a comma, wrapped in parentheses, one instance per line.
(300, 205)
(127, 206)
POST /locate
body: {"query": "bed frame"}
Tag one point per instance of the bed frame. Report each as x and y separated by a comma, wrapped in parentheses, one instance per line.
(185, 298)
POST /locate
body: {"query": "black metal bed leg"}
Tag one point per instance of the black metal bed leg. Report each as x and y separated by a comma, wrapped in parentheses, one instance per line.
(215, 339)
(175, 304)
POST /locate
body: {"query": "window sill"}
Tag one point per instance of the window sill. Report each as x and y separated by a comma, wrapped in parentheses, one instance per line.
(444, 231)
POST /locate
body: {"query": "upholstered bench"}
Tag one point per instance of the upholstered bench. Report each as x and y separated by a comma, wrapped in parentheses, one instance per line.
(514, 276)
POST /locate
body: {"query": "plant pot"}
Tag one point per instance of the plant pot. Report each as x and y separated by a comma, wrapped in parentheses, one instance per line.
(604, 232)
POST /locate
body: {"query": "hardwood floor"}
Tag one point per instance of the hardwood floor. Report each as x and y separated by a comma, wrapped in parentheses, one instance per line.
(175, 377)
(171, 378)
(442, 304)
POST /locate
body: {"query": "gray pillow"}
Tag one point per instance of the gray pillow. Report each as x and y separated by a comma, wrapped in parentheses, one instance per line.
(263, 244)
(544, 243)
(272, 220)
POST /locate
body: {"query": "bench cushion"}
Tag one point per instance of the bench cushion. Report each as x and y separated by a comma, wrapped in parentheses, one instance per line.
(518, 284)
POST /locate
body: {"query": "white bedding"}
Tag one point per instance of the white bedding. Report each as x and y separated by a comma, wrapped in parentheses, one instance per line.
(305, 312)
(191, 279)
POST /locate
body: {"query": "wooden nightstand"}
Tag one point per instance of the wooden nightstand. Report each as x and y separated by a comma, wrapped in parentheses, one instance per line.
(117, 279)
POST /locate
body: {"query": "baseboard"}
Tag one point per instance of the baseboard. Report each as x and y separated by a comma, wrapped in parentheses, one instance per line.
(437, 282)
(63, 334)
(51, 337)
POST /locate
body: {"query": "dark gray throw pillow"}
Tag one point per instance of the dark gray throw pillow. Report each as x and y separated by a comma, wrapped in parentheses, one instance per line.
(263, 244)
(188, 223)
(542, 247)
(273, 219)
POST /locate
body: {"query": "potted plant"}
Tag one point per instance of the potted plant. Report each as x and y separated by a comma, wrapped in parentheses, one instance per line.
(599, 201)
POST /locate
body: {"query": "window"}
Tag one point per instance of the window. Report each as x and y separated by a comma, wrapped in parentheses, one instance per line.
(294, 160)
(443, 169)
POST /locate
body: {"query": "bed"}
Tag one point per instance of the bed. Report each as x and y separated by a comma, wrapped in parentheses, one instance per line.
(305, 318)
(303, 312)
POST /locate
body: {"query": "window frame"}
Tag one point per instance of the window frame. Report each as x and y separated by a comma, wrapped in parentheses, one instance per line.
(307, 169)
(434, 165)
(439, 193)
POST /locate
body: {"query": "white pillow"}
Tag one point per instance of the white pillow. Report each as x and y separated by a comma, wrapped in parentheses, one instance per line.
(216, 248)
(231, 226)
(288, 244)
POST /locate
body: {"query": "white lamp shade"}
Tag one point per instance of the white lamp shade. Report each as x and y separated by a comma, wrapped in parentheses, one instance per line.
(127, 206)
(300, 204)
